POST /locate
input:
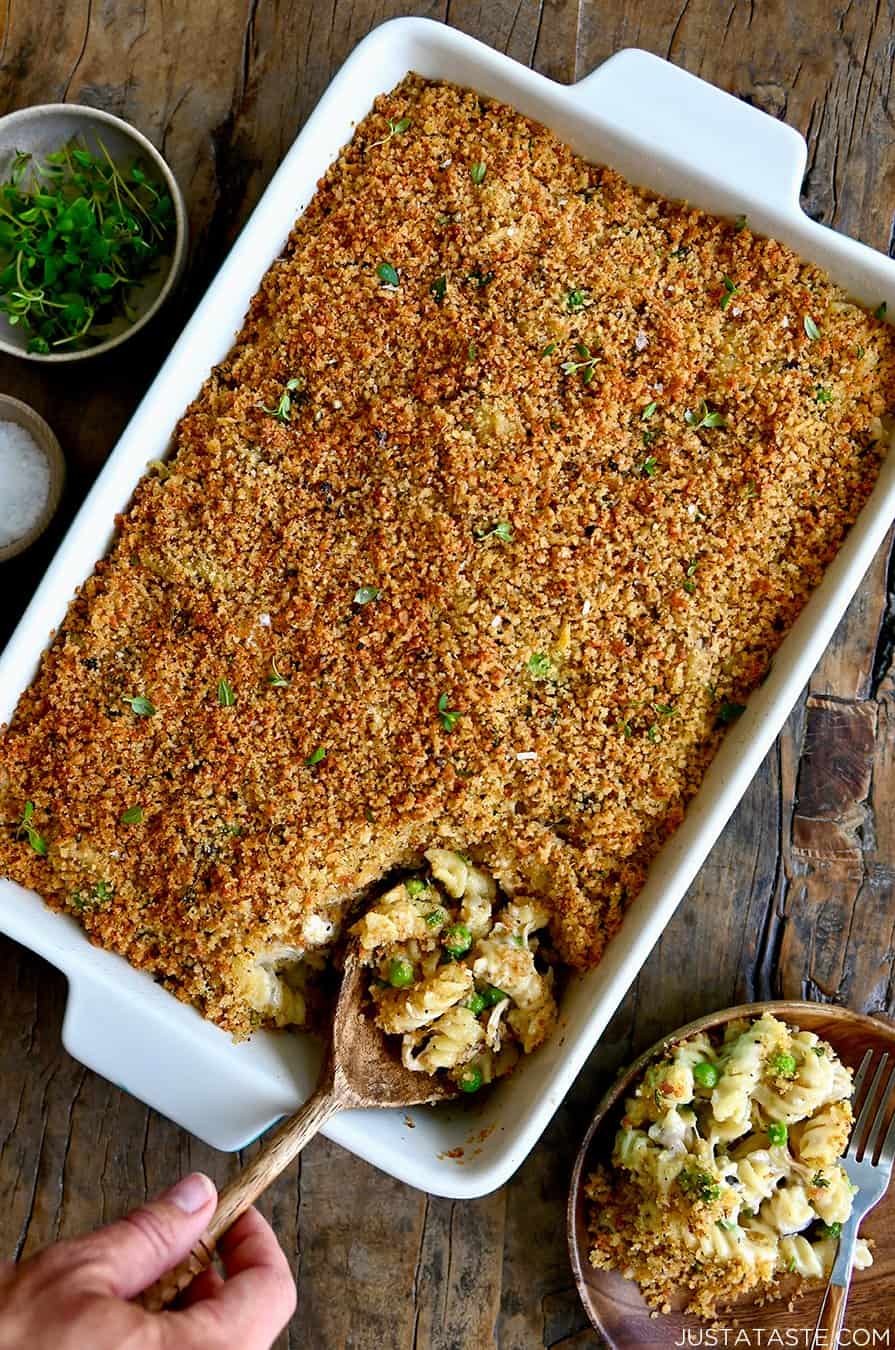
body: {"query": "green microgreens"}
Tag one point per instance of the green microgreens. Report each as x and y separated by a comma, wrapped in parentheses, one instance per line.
(78, 235)
(141, 706)
(226, 696)
(26, 828)
(540, 667)
(577, 299)
(282, 411)
(730, 290)
(477, 172)
(822, 395)
(364, 594)
(132, 816)
(649, 411)
(880, 311)
(388, 275)
(649, 468)
(276, 679)
(503, 531)
(438, 289)
(586, 365)
(316, 757)
(448, 716)
(394, 129)
(811, 329)
(689, 583)
(702, 417)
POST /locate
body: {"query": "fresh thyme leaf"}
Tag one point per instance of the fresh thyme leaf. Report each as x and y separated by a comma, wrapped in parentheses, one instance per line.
(477, 172)
(282, 411)
(364, 594)
(730, 290)
(702, 417)
(880, 311)
(822, 395)
(689, 583)
(141, 706)
(438, 289)
(275, 679)
(577, 299)
(503, 531)
(539, 666)
(820, 1180)
(648, 411)
(663, 709)
(316, 757)
(448, 717)
(811, 328)
(649, 468)
(388, 275)
(35, 839)
(549, 349)
(472, 352)
(480, 278)
(226, 696)
(653, 733)
(132, 816)
(398, 128)
(585, 366)
(729, 712)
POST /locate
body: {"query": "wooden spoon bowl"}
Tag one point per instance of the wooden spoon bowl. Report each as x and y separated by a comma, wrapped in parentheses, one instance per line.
(615, 1305)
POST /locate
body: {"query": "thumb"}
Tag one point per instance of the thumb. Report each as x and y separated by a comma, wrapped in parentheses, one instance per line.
(131, 1254)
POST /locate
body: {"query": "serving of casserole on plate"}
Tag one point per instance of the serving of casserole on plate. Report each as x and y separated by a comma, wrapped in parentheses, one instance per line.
(480, 538)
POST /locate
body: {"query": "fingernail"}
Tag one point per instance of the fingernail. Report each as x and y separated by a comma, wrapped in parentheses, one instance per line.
(192, 1193)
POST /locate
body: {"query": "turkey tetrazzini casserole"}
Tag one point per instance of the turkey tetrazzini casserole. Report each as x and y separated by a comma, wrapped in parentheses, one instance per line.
(477, 540)
(725, 1173)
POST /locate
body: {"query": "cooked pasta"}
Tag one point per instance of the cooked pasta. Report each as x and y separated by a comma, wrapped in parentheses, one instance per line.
(458, 976)
(725, 1171)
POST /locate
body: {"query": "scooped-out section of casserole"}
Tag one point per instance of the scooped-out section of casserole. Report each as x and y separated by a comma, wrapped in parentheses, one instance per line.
(498, 509)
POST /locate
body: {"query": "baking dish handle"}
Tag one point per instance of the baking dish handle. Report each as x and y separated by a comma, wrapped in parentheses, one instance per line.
(676, 116)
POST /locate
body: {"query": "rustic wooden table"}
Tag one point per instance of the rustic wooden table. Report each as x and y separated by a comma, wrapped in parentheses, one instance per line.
(795, 900)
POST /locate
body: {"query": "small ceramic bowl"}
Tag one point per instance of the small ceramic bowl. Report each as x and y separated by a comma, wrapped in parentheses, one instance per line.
(615, 1305)
(45, 128)
(12, 410)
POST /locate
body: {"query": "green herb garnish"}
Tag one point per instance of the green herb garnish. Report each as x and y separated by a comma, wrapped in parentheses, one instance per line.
(276, 679)
(586, 365)
(503, 531)
(702, 417)
(394, 129)
(811, 328)
(388, 275)
(689, 583)
(364, 594)
(650, 467)
(477, 172)
(438, 289)
(448, 717)
(26, 828)
(701, 1184)
(648, 411)
(740, 223)
(832, 1230)
(141, 706)
(226, 696)
(480, 278)
(316, 757)
(822, 395)
(730, 290)
(78, 235)
(577, 299)
(282, 411)
(539, 666)
(132, 816)
(729, 712)
(880, 311)
(820, 1181)
(549, 349)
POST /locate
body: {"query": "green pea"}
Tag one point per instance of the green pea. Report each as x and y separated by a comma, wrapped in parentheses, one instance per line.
(492, 995)
(470, 1079)
(476, 1004)
(706, 1074)
(400, 972)
(457, 939)
(777, 1132)
(414, 886)
(784, 1066)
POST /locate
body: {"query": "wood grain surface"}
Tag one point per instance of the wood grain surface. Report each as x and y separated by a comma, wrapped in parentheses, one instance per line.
(795, 901)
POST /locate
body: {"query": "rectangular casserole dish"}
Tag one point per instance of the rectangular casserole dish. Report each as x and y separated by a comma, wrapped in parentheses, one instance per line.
(664, 130)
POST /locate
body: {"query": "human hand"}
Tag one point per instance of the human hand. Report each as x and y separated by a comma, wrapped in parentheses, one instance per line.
(76, 1293)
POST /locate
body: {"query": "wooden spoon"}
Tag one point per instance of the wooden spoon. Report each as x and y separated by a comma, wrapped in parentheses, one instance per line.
(359, 1070)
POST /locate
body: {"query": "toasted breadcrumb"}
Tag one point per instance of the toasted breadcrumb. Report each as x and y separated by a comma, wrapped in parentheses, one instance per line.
(554, 338)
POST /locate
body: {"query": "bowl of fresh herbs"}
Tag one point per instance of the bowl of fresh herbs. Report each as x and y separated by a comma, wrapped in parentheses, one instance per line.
(93, 232)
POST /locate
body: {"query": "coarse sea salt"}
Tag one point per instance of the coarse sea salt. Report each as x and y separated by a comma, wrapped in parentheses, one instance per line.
(24, 482)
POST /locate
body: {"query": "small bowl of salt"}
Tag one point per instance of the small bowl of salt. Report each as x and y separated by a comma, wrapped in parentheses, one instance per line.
(32, 472)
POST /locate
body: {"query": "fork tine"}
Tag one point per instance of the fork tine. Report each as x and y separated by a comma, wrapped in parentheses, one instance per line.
(858, 1130)
(861, 1074)
(875, 1133)
(887, 1152)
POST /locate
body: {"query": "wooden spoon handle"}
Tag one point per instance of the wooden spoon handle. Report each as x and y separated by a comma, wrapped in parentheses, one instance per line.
(243, 1191)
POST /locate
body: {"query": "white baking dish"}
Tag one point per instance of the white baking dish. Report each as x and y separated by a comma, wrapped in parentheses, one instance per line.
(665, 130)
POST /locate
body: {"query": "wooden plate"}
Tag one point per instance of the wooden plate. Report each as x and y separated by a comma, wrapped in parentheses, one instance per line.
(615, 1305)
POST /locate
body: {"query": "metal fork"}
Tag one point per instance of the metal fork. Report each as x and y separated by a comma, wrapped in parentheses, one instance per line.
(868, 1163)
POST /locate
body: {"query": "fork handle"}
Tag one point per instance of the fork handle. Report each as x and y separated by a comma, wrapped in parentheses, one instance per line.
(830, 1323)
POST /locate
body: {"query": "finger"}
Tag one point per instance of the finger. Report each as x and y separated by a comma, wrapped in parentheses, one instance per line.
(206, 1284)
(126, 1257)
(255, 1302)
